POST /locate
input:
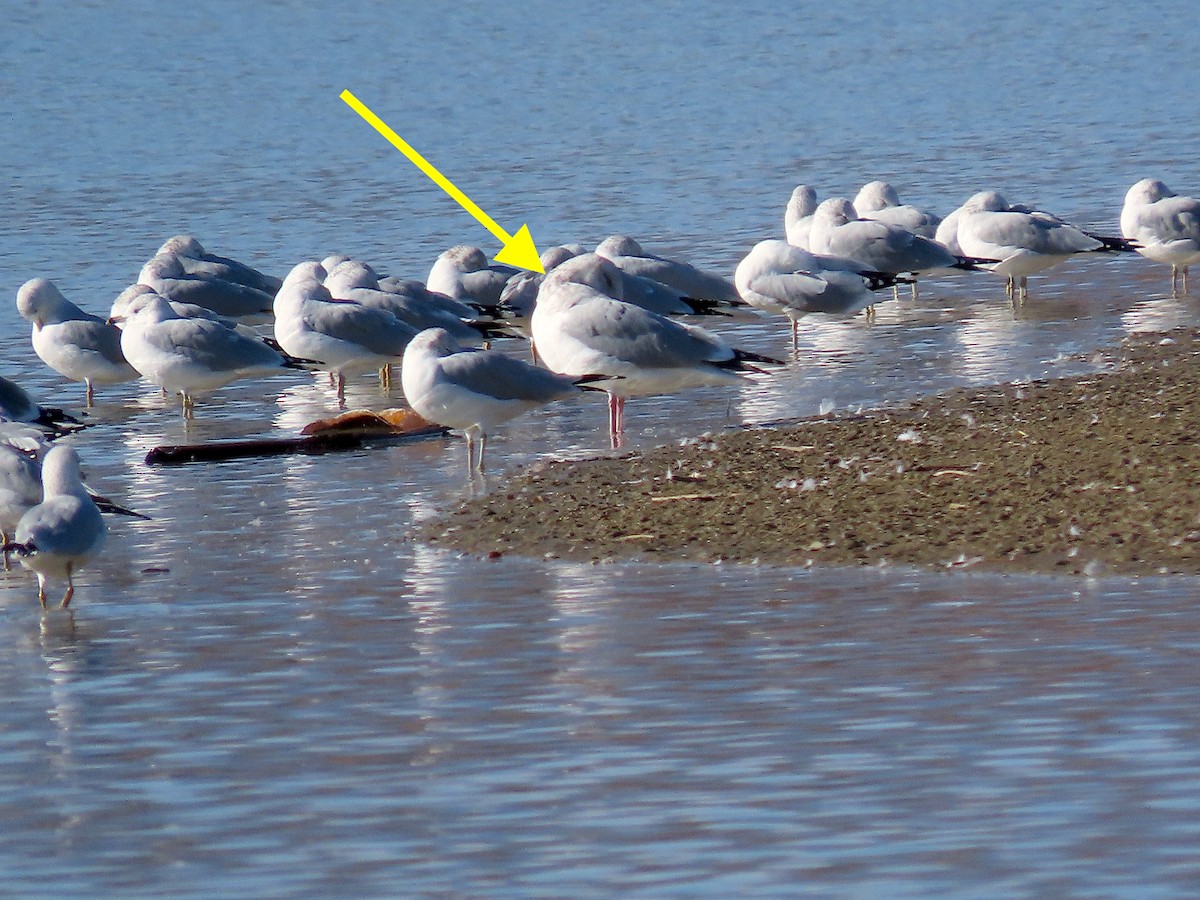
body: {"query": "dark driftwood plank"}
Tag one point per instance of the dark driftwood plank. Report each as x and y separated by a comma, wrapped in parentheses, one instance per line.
(311, 444)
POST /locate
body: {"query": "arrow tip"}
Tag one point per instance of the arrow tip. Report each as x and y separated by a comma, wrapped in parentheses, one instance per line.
(521, 252)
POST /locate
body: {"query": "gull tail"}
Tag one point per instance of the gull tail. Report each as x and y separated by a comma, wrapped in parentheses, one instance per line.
(596, 382)
(973, 263)
(877, 281)
(742, 361)
(702, 307)
(1113, 244)
(116, 509)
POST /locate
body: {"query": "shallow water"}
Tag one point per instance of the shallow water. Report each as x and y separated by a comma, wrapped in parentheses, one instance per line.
(272, 689)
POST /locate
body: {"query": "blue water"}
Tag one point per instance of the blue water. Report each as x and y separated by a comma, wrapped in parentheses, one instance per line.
(273, 689)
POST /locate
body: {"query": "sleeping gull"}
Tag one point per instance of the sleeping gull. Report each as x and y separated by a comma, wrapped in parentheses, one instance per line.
(197, 261)
(345, 336)
(777, 277)
(62, 532)
(837, 230)
(581, 329)
(797, 218)
(1024, 240)
(166, 274)
(77, 345)
(628, 256)
(1166, 226)
(17, 406)
(878, 200)
(192, 356)
(463, 273)
(475, 390)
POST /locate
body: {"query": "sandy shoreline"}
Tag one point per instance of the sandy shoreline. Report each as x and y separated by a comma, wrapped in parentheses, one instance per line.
(1093, 475)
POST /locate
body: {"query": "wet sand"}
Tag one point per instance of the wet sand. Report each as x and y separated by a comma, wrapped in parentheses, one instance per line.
(1090, 475)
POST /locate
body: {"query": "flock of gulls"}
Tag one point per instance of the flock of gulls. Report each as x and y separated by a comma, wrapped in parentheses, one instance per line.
(610, 320)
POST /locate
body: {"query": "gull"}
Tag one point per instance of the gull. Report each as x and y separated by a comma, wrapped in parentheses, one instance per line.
(475, 390)
(797, 218)
(837, 230)
(777, 277)
(1023, 240)
(63, 531)
(878, 200)
(408, 301)
(947, 232)
(581, 329)
(192, 356)
(197, 261)
(166, 274)
(346, 336)
(22, 449)
(463, 273)
(17, 406)
(76, 344)
(1166, 226)
(628, 256)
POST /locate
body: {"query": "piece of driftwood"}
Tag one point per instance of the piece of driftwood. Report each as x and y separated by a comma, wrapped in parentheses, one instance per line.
(348, 431)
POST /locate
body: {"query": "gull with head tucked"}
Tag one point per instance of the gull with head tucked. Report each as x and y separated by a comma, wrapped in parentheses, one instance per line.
(475, 390)
(1165, 226)
(581, 328)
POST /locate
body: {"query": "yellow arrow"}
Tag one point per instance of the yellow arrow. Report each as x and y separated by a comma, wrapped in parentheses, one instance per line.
(519, 249)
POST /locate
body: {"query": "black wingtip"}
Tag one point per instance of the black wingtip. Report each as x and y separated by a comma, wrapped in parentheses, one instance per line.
(743, 361)
(1114, 244)
(877, 281)
(24, 549)
(974, 263)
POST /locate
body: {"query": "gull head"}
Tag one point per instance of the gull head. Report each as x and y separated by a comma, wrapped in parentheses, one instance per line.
(163, 265)
(834, 211)
(1148, 190)
(619, 245)
(436, 341)
(184, 245)
(37, 301)
(303, 273)
(986, 201)
(803, 201)
(591, 270)
(874, 196)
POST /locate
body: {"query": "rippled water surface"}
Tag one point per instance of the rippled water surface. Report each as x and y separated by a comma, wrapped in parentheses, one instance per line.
(272, 689)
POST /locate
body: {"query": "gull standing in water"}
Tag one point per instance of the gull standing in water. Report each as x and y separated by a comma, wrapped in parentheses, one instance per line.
(62, 532)
(1024, 241)
(580, 328)
(193, 356)
(76, 344)
(475, 390)
(345, 336)
(837, 230)
(1165, 226)
(778, 277)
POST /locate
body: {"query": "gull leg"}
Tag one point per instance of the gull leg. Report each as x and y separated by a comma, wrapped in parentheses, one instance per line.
(189, 407)
(1174, 280)
(70, 589)
(1024, 288)
(470, 453)
(4, 536)
(341, 389)
(1010, 288)
(895, 292)
(42, 589)
(914, 289)
(795, 337)
(482, 450)
(89, 394)
(1185, 290)
(533, 351)
(385, 376)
